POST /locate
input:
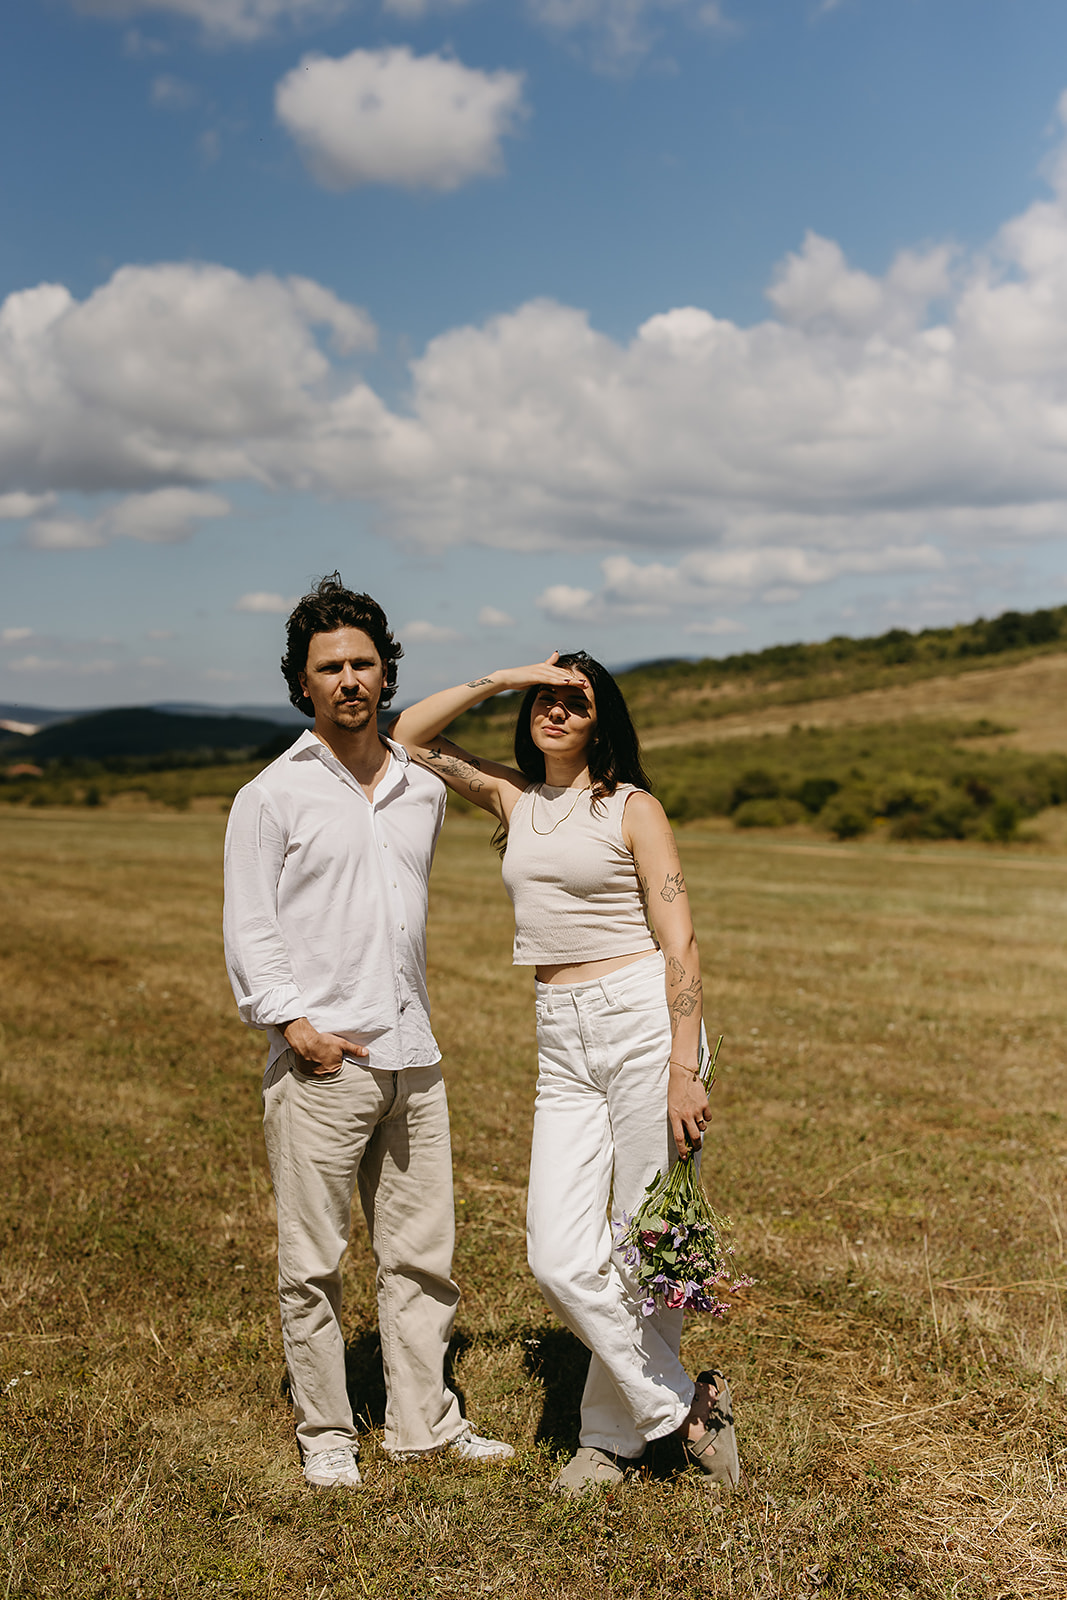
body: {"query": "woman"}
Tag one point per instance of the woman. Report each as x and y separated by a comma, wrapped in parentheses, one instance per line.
(589, 856)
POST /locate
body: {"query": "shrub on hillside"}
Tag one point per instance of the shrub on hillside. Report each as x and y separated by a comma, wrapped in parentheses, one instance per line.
(918, 779)
(813, 793)
(768, 813)
(755, 784)
(848, 814)
(690, 792)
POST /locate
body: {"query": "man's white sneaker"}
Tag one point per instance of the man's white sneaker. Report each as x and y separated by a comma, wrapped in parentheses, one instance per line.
(470, 1446)
(332, 1469)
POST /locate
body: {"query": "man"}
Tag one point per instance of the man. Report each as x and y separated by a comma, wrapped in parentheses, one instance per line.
(328, 856)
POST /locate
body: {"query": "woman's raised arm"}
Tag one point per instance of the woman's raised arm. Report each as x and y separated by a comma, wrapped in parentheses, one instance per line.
(488, 784)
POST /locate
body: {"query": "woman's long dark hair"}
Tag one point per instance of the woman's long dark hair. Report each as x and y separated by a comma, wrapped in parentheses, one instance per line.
(614, 753)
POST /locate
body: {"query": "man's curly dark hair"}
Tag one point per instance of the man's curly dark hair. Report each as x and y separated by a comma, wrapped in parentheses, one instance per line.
(326, 608)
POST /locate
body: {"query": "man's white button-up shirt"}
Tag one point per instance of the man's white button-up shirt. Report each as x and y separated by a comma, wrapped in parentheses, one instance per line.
(326, 900)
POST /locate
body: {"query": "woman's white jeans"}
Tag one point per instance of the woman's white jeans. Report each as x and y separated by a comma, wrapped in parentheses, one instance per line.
(601, 1133)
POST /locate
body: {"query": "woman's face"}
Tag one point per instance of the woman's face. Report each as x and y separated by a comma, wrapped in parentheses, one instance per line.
(562, 719)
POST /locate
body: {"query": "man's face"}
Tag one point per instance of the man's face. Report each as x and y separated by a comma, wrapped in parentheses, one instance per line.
(343, 678)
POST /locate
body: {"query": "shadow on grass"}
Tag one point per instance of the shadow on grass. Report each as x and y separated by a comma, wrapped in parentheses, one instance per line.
(553, 1358)
(365, 1377)
(559, 1362)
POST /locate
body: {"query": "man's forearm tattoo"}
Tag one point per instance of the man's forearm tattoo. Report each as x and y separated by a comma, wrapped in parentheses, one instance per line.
(673, 886)
(453, 766)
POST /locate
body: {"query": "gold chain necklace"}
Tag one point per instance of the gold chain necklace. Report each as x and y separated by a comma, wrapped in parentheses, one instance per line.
(543, 833)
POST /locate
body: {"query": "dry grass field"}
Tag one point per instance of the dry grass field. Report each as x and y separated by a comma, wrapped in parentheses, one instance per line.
(890, 1141)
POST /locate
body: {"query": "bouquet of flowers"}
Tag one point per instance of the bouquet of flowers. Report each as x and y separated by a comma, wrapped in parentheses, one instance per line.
(675, 1242)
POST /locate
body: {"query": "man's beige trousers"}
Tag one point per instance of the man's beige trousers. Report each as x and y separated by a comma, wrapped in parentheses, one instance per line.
(389, 1132)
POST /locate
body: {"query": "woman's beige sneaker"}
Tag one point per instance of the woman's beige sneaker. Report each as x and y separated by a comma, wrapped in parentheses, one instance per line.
(587, 1471)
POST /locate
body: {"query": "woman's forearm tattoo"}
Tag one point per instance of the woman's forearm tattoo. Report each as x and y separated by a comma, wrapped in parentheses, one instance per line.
(479, 683)
(455, 766)
(683, 992)
(686, 1001)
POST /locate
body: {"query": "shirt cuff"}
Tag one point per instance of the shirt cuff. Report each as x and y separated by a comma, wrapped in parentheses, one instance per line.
(272, 1008)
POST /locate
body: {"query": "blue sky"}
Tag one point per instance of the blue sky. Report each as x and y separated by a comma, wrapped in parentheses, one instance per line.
(656, 328)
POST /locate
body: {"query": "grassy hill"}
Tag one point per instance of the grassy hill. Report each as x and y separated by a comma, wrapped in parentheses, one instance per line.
(947, 733)
(139, 731)
(677, 701)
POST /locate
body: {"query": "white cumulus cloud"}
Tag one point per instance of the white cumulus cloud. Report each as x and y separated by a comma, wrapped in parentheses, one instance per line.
(817, 287)
(871, 424)
(165, 375)
(491, 617)
(33, 663)
(239, 20)
(617, 33)
(264, 603)
(172, 94)
(775, 574)
(564, 602)
(160, 516)
(388, 116)
(415, 10)
(429, 633)
(17, 505)
(714, 626)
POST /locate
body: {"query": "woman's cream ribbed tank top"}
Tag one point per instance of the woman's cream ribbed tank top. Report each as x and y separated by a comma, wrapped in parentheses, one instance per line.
(571, 878)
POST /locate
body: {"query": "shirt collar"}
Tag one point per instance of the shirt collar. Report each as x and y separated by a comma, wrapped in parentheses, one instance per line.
(307, 741)
(310, 745)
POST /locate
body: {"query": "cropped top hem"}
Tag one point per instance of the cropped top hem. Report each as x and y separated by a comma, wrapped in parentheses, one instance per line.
(570, 958)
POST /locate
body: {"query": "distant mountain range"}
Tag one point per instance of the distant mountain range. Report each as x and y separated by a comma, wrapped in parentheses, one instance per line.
(141, 731)
(660, 693)
(32, 718)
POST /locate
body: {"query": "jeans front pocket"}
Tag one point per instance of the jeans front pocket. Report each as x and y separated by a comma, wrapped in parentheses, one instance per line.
(303, 1075)
(638, 991)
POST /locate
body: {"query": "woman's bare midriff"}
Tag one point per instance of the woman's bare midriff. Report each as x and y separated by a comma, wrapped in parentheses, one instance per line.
(583, 971)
